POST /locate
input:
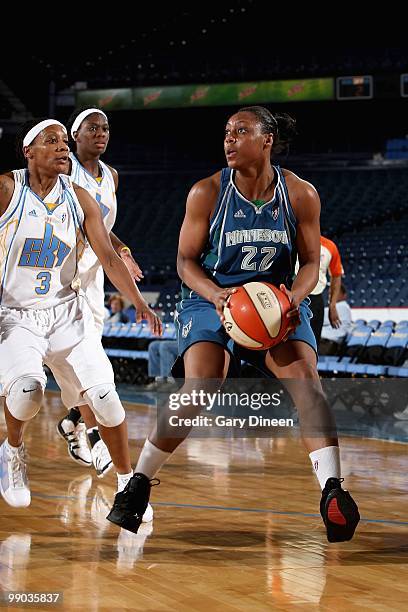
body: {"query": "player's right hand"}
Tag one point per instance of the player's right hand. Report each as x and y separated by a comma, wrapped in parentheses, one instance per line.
(220, 300)
(144, 312)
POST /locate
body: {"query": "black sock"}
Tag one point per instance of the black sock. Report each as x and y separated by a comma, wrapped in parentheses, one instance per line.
(93, 436)
(74, 415)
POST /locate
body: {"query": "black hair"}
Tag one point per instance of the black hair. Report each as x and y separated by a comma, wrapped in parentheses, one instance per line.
(70, 123)
(22, 133)
(281, 125)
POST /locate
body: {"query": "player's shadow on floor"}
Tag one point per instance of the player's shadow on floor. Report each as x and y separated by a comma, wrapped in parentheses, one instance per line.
(215, 539)
(377, 548)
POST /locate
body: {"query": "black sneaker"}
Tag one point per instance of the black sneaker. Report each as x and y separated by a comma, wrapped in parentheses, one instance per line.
(131, 503)
(339, 511)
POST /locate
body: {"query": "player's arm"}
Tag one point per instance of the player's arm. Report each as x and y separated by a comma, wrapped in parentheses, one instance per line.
(114, 267)
(6, 191)
(120, 247)
(334, 292)
(126, 256)
(306, 205)
(194, 232)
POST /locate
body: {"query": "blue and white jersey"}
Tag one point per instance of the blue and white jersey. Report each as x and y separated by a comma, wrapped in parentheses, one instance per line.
(41, 242)
(102, 189)
(249, 242)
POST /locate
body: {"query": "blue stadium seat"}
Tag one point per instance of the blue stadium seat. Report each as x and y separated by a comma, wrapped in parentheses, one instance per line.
(374, 348)
(357, 341)
(400, 372)
(356, 368)
(106, 329)
(396, 347)
(387, 323)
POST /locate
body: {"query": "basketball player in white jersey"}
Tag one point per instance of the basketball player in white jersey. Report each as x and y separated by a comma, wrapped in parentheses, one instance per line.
(89, 132)
(44, 317)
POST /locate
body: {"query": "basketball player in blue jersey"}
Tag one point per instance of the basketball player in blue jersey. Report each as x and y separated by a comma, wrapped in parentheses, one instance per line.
(89, 137)
(44, 317)
(248, 223)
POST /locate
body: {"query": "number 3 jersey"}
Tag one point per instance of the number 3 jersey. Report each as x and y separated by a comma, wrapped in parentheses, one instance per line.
(251, 241)
(41, 242)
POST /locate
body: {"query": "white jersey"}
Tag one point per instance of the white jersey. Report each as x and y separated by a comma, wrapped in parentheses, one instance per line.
(41, 242)
(90, 269)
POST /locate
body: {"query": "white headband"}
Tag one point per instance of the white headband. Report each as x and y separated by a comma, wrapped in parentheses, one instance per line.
(82, 116)
(33, 133)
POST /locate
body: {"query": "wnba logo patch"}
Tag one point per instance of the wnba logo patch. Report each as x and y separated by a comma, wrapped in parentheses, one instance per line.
(316, 466)
(186, 328)
(275, 213)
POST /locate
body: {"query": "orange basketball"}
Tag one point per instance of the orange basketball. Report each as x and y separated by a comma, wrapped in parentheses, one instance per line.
(256, 316)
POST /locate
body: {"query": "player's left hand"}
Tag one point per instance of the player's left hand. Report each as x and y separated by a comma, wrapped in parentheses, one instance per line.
(293, 314)
(132, 266)
(144, 312)
(334, 318)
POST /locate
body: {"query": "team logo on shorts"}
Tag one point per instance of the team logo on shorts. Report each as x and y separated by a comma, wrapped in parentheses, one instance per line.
(186, 328)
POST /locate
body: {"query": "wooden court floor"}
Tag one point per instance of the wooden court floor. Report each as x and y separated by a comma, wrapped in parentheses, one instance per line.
(236, 527)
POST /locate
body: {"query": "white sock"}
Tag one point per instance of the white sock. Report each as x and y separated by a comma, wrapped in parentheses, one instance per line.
(151, 459)
(326, 463)
(123, 479)
(12, 449)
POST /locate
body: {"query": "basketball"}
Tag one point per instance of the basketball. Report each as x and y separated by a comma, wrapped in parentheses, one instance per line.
(255, 316)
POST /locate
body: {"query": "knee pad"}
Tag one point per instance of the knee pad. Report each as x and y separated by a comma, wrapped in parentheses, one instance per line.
(25, 398)
(105, 404)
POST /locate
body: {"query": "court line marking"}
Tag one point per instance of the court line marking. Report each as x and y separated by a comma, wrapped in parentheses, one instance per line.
(229, 509)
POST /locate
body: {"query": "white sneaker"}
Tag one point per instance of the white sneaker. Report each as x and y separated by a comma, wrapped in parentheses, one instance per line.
(148, 515)
(13, 477)
(101, 459)
(78, 448)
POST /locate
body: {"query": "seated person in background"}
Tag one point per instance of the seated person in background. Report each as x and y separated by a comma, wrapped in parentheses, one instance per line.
(116, 305)
(162, 355)
(332, 337)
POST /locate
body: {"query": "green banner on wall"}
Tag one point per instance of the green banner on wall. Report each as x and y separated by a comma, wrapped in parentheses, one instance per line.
(188, 96)
(107, 99)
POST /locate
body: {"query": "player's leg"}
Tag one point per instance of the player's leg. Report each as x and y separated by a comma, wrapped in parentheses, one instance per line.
(205, 364)
(202, 342)
(295, 363)
(23, 381)
(79, 427)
